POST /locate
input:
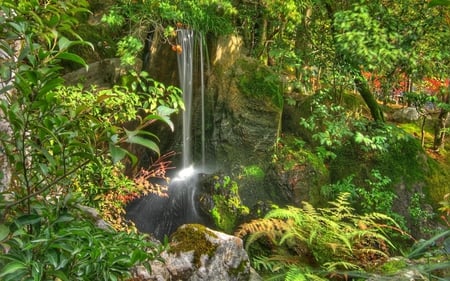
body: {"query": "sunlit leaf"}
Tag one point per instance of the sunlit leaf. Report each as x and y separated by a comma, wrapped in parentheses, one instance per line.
(71, 57)
(144, 142)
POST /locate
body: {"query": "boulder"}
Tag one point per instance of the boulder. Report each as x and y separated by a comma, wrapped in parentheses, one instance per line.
(403, 275)
(197, 253)
(297, 175)
(406, 114)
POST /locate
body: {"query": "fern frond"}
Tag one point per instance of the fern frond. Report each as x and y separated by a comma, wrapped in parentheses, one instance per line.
(252, 238)
(272, 227)
(276, 277)
(372, 252)
(263, 263)
(309, 209)
(289, 214)
(292, 234)
(296, 273)
(336, 265)
(341, 207)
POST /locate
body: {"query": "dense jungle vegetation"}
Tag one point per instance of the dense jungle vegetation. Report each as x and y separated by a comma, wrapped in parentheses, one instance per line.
(63, 149)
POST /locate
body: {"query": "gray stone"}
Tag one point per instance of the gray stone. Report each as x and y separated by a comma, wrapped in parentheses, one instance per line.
(224, 258)
(403, 275)
(406, 114)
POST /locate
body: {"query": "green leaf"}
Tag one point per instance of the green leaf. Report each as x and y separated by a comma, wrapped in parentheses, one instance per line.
(52, 257)
(12, 267)
(117, 153)
(64, 43)
(71, 57)
(59, 274)
(164, 119)
(52, 84)
(144, 142)
(27, 219)
(4, 232)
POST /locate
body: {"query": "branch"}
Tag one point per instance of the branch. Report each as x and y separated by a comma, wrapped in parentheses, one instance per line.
(49, 185)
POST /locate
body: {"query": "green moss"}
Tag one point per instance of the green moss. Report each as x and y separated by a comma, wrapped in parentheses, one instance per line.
(228, 206)
(436, 172)
(403, 160)
(437, 181)
(260, 81)
(223, 218)
(254, 171)
(393, 266)
(193, 237)
(240, 269)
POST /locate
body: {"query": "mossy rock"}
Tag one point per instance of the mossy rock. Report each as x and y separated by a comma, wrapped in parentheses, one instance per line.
(297, 173)
(193, 237)
(259, 81)
(411, 171)
(196, 251)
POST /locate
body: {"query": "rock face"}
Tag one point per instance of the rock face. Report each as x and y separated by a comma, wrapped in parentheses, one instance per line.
(297, 176)
(197, 253)
(243, 107)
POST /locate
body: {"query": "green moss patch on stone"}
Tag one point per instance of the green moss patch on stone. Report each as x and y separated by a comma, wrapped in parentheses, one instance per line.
(393, 266)
(240, 269)
(254, 171)
(193, 237)
(260, 81)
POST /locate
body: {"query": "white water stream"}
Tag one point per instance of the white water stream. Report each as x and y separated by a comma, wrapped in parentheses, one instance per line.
(187, 41)
(161, 216)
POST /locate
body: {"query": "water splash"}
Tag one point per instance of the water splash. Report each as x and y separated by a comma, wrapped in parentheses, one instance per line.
(184, 174)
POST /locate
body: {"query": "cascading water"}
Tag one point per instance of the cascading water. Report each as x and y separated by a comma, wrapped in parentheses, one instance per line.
(185, 66)
(161, 216)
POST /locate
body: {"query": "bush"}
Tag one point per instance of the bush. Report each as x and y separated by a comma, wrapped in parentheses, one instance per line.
(55, 242)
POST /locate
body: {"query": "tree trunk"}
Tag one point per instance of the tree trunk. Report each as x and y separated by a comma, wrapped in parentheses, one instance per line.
(439, 130)
(364, 91)
(360, 82)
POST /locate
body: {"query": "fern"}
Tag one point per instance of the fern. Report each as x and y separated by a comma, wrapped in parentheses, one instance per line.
(302, 274)
(271, 227)
(333, 238)
(334, 266)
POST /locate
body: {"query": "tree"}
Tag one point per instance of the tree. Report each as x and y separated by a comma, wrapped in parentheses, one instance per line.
(57, 135)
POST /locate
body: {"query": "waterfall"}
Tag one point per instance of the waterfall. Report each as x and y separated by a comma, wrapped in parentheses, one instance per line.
(202, 82)
(185, 66)
(161, 216)
(186, 41)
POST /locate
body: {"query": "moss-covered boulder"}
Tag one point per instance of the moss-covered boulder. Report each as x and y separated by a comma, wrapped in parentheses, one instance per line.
(418, 181)
(296, 174)
(198, 253)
